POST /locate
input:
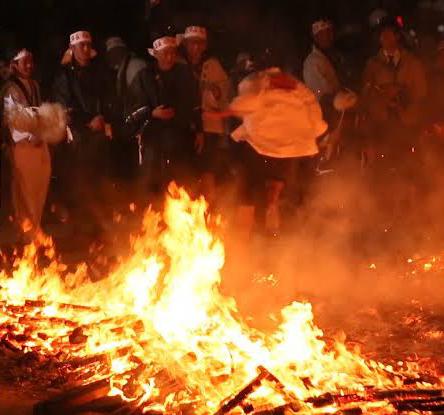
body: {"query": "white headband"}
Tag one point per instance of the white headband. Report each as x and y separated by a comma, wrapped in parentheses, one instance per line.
(321, 25)
(195, 31)
(23, 53)
(80, 36)
(163, 43)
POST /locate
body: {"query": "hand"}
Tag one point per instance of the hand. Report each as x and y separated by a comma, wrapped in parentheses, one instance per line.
(109, 131)
(97, 123)
(163, 113)
(199, 143)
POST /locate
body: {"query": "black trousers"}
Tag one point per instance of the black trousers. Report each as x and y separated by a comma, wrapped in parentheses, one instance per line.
(169, 155)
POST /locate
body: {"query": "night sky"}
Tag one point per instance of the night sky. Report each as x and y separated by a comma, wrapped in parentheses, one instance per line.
(33, 21)
(282, 26)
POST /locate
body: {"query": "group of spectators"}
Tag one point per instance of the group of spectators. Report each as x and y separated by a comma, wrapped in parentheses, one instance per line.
(167, 116)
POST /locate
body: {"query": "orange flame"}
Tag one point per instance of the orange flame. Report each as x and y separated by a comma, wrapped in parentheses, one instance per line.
(171, 315)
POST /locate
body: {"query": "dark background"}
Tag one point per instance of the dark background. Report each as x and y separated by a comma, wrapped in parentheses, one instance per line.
(282, 26)
(35, 22)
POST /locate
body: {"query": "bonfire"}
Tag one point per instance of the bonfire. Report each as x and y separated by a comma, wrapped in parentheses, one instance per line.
(158, 336)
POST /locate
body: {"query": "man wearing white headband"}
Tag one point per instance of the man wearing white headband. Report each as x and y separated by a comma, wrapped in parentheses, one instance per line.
(176, 124)
(30, 159)
(81, 87)
(319, 72)
(215, 87)
(321, 75)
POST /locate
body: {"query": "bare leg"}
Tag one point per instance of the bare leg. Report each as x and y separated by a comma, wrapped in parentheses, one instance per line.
(274, 190)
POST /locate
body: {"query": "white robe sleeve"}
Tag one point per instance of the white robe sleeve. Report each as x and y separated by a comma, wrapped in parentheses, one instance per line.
(18, 116)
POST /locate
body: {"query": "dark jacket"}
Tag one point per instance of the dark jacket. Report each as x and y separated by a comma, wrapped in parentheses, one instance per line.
(133, 87)
(82, 91)
(178, 89)
(402, 86)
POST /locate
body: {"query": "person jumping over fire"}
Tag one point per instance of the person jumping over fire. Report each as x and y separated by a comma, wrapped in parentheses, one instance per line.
(281, 121)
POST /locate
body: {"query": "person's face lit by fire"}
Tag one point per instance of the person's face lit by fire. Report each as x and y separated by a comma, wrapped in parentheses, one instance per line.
(166, 58)
(325, 39)
(24, 67)
(195, 48)
(389, 40)
(82, 52)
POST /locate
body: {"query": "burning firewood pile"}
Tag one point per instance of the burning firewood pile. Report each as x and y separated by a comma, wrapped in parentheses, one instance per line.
(35, 354)
(158, 337)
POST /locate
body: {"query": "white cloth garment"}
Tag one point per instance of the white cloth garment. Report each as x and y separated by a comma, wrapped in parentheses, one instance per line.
(319, 74)
(15, 97)
(280, 123)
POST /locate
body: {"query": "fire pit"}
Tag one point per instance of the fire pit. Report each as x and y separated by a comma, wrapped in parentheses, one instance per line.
(158, 337)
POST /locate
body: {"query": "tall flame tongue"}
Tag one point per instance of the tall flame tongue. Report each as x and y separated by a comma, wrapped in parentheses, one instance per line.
(176, 324)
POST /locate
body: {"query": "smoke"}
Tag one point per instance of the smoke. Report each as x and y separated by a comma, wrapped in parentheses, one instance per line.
(348, 244)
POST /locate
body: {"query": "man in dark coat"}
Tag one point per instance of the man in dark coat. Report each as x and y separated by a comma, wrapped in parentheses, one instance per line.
(175, 135)
(81, 88)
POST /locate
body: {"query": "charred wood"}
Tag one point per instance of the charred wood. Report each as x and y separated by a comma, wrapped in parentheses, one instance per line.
(73, 398)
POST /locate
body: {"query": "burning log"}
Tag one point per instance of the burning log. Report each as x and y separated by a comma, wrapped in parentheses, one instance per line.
(237, 399)
(264, 374)
(31, 305)
(39, 320)
(9, 345)
(35, 303)
(397, 394)
(77, 307)
(106, 404)
(137, 326)
(73, 398)
(280, 410)
(281, 388)
(328, 399)
(350, 411)
(322, 400)
(422, 405)
(77, 336)
(102, 358)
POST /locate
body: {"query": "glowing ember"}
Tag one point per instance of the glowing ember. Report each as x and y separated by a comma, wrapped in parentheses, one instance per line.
(160, 327)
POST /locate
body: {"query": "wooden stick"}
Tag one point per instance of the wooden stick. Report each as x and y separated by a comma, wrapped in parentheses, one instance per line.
(242, 394)
(396, 394)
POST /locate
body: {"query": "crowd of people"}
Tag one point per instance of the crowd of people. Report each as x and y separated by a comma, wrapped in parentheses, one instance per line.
(178, 114)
